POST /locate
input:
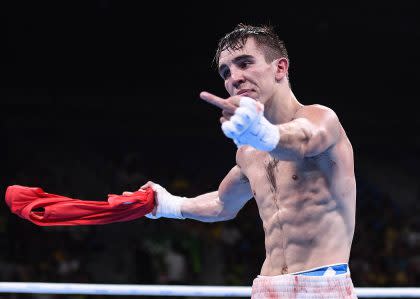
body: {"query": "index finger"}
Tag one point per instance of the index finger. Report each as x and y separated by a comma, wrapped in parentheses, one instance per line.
(218, 102)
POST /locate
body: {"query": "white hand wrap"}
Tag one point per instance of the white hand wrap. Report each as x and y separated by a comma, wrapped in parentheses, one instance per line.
(168, 205)
(248, 126)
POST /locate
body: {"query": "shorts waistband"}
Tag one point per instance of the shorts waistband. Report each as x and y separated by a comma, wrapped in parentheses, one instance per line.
(328, 270)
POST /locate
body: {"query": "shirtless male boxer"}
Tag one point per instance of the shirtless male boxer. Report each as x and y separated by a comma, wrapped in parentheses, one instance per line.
(294, 159)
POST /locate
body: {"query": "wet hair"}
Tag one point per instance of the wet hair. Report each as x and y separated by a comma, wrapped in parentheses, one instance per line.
(273, 47)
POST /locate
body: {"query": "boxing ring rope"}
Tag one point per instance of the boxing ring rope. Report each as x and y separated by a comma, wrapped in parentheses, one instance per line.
(174, 290)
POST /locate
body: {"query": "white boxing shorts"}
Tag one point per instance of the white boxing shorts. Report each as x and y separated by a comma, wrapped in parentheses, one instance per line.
(329, 282)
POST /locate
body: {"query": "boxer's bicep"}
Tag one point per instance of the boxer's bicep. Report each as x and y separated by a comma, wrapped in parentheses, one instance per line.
(234, 191)
(314, 130)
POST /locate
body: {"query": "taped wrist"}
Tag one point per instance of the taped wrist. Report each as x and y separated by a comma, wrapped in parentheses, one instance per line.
(248, 126)
(168, 205)
(262, 135)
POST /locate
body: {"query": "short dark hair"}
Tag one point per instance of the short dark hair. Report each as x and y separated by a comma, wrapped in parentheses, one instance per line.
(265, 36)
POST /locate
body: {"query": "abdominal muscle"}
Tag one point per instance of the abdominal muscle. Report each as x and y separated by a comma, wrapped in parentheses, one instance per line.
(306, 207)
(302, 231)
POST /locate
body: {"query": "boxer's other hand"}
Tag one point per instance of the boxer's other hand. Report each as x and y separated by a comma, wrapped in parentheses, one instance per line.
(151, 185)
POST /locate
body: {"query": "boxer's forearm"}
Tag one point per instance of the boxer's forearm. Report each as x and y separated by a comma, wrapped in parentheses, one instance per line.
(206, 208)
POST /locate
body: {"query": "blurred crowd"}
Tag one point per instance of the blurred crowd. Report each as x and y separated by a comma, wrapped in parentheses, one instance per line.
(385, 251)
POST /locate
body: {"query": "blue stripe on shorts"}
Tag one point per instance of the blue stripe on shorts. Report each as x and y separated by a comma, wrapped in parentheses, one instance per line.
(339, 269)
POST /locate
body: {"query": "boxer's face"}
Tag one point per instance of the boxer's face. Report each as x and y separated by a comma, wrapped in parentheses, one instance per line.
(246, 72)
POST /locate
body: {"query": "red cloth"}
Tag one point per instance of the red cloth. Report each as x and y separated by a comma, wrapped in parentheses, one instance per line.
(28, 202)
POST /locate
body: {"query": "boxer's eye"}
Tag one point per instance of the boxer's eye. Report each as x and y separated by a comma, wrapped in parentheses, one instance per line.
(225, 74)
(244, 64)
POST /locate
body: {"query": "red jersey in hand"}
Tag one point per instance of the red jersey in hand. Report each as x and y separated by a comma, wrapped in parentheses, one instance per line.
(46, 209)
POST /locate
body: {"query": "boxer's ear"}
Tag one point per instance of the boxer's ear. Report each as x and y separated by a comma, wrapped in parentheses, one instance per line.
(281, 68)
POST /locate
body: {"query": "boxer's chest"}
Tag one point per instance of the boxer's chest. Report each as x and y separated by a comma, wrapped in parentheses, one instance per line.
(267, 174)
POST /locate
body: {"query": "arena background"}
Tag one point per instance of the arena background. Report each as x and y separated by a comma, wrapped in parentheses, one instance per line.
(98, 97)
